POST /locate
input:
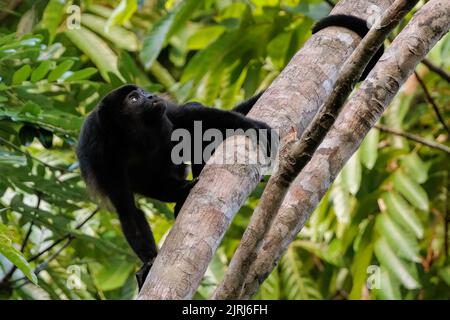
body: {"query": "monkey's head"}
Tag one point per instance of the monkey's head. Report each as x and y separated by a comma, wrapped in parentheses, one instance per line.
(131, 105)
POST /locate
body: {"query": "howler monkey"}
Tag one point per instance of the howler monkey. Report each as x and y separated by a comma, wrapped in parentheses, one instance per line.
(125, 148)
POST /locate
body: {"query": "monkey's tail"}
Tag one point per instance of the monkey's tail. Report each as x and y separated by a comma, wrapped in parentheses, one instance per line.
(355, 24)
(245, 106)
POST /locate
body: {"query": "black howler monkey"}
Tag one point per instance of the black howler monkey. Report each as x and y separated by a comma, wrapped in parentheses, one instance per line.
(125, 148)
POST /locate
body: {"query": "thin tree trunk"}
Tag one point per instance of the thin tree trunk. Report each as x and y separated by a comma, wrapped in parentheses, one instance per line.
(359, 115)
(301, 151)
(289, 103)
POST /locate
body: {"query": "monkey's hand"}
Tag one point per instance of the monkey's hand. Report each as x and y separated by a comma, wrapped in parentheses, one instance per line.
(186, 189)
(265, 137)
(142, 273)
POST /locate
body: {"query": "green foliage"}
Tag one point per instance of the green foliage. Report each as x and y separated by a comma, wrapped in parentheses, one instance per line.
(377, 234)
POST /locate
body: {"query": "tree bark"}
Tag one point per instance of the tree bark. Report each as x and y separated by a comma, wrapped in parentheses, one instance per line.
(289, 103)
(359, 115)
(300, 152)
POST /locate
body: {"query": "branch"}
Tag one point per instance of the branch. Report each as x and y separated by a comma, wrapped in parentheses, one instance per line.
(290, 102)
(432, 102)
(413, 137)
(302, 150)
(67, 236)
(441, 72)
(359, 114)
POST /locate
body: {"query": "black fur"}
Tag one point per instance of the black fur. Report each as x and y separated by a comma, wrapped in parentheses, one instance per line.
(125, 148)
(355, 24)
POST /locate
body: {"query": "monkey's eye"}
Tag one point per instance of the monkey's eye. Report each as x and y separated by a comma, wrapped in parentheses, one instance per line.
(133, 98)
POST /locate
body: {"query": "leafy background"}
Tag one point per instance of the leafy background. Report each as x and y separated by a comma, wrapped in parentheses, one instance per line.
(381, 232)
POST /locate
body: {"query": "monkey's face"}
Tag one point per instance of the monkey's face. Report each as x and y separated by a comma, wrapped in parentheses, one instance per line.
(143, 105)
(132, 106)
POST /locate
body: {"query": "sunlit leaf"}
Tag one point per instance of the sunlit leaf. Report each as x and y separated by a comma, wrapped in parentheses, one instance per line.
(96, 49)
(54, 14)
(369, 149)
(122, 13)
(415, 167)
(403, 213)
(81, 74)
(352, 174)
(41, 71)
(411, 190)
(56, 73)
(389, 286)
(396, 266)
(401, 242)
(21, 75)
(15, 256)
(165, 27)
(121, 37)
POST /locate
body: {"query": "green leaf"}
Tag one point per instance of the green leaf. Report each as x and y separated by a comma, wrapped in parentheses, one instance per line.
(12, 158)
(411, 190)
(96, 49)
(341, 200)
(402, 213)
(54, 14)
(415, 167)
(270, 288)
(121, 37)
(122, 13)
(81, 74)
(277, 48)
(164, 28)
(154, 41)
(49, 118)
(369, 149)
(400, 241)
(56, 73)
(204, 36)
(41, 71)
(296, 281)
(21, 75)
(14, 255)
(389, 286)
(444, 273)
(360, 263)
(112, 274)
(395, 265)
(352, 174)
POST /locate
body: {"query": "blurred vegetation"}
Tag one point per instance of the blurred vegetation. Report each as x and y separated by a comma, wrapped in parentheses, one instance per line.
(384, 220)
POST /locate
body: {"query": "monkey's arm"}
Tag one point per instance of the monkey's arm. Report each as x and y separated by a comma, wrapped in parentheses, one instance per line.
(185, 116)
(245, 106)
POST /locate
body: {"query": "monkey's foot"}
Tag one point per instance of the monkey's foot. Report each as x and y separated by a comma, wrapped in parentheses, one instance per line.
(142, 273)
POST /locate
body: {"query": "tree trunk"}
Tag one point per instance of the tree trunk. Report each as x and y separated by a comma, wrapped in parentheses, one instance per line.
(359, 115)
(300, 152)
(289, 103)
